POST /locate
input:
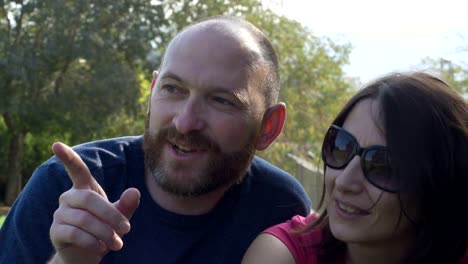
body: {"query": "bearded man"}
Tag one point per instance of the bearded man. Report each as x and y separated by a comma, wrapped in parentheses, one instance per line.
(190, 190)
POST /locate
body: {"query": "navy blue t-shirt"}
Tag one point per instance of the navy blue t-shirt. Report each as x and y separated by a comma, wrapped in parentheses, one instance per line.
(266, 196)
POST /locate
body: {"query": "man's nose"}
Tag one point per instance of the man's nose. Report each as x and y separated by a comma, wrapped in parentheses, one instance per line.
(189, 117)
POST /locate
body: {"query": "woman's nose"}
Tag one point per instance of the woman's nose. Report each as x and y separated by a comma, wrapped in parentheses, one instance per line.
(350, 179)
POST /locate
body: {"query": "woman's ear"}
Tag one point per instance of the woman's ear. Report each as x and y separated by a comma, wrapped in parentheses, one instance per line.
(272, 124)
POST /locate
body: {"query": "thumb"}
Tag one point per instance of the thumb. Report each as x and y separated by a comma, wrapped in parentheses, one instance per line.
(128, 203)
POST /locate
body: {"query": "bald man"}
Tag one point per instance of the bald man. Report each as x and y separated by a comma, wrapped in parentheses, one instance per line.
(190, 190)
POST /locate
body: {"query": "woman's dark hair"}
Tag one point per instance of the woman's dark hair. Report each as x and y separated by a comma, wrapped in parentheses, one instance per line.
(425, 123)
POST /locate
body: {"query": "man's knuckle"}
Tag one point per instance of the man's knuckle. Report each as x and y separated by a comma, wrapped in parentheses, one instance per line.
(73, 234)
(82, 219)
(87, 198)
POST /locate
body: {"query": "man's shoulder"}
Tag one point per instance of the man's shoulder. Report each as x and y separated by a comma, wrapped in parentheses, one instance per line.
(262, 171)
(101, 154)
(116, 145)
(273, 183)
(260, 164)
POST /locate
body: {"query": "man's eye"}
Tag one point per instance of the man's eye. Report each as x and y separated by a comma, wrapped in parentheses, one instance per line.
(222, 101)
(169, 89)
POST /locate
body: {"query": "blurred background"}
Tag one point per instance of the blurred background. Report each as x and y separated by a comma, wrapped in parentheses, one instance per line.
(79, 70)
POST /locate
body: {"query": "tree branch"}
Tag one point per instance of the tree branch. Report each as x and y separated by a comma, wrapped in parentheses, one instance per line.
(19, 26)
(5, 14)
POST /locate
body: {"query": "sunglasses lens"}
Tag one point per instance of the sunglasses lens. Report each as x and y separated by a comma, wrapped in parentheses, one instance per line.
(377, 169)
(337, 148)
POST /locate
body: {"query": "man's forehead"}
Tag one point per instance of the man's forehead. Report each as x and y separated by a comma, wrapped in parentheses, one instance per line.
(230, 58)
(205, 48)
(239, 33)
(231, 36)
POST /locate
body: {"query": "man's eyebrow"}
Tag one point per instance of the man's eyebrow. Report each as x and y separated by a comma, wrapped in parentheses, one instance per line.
(171, 75)
(239, 94)
(215, 88)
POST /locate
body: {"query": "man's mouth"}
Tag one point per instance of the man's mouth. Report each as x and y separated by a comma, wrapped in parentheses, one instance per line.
(184, 149)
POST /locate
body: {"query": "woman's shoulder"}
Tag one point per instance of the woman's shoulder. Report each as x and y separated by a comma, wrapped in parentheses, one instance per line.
(301, 221)
(296, 223)
(300, 244)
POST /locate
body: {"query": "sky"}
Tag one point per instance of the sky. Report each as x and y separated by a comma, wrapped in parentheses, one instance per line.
(386, 35)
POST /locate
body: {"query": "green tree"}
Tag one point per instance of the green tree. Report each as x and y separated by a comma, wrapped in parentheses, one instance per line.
(185, 12)
(67, 66)
(454, 74)
(78, 70)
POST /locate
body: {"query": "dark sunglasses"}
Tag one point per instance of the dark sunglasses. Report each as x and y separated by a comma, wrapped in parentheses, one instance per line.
(340, 147)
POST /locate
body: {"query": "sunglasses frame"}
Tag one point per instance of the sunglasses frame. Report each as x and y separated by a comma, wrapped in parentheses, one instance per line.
(357, 150)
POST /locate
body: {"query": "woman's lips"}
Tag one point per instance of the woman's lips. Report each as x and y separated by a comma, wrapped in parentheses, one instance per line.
(348, 210)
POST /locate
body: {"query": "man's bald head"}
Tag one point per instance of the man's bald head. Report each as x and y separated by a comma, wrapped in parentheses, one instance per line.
(260, 54)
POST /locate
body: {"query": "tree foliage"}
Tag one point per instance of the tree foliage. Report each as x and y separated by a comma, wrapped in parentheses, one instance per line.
(67, 66)
(79, 70)
(454, 74)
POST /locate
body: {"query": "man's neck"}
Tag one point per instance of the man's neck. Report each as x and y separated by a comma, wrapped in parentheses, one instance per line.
(184, 205)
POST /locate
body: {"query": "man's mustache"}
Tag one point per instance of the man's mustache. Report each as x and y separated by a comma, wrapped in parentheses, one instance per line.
(195, 139)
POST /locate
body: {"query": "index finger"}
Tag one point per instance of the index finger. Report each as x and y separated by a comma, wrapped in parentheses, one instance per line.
(77, 170)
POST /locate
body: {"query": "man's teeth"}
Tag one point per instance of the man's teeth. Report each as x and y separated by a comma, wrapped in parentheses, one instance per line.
(183, 148)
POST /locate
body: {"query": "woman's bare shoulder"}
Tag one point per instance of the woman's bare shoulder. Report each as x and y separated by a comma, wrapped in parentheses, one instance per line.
(267, 248)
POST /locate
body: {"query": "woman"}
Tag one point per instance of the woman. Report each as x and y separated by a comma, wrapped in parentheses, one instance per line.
(396, 182)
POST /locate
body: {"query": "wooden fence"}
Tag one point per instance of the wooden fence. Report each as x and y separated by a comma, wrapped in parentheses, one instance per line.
(311, 177)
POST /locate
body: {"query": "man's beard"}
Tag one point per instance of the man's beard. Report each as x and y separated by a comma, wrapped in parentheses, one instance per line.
(223, 169)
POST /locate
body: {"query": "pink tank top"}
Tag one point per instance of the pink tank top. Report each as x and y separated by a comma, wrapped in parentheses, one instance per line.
(300, 244)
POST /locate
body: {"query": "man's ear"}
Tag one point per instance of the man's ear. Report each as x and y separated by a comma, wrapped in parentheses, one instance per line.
(153, 82)
(272, 124)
